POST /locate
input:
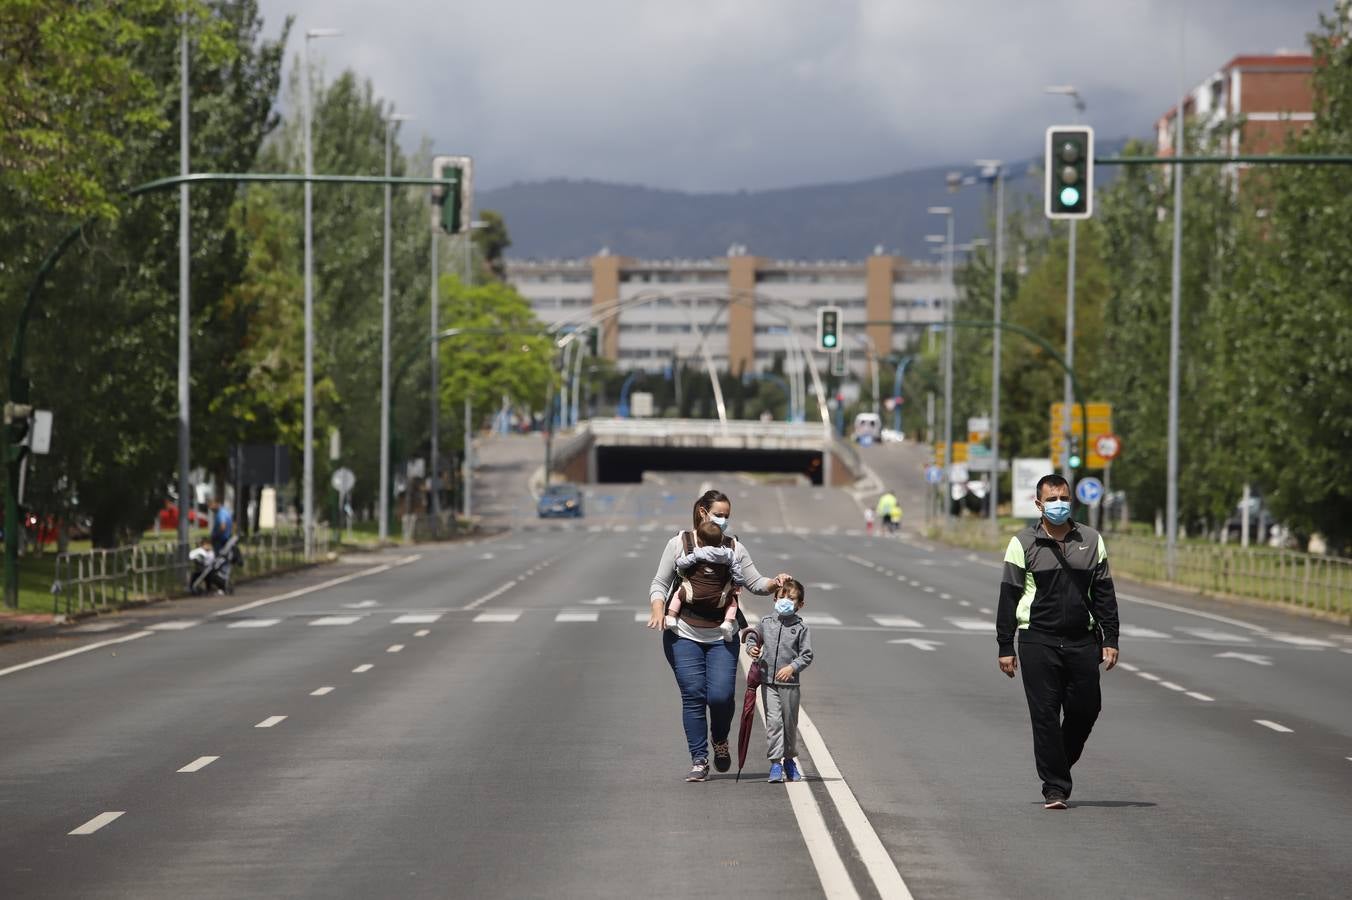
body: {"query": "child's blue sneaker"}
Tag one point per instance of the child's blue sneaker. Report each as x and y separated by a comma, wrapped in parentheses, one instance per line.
(776, 774)
(791, 771)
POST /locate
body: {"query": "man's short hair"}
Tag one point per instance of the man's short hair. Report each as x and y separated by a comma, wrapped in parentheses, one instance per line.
(1054, 480)
(709, 534)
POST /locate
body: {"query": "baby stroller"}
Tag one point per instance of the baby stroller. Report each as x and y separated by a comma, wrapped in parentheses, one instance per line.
(211, 571)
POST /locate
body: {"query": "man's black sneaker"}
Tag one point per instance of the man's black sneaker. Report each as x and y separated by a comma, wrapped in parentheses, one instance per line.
(699, 770)
(1055, 801)
(722, 756)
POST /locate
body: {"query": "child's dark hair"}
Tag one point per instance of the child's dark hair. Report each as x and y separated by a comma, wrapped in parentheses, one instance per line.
(709, 534)
(793, 589)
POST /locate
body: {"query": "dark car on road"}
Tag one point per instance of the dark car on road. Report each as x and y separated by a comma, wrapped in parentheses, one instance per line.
(560, 500)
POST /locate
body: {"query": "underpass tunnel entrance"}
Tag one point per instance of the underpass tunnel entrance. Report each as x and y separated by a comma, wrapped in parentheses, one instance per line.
(627, 464)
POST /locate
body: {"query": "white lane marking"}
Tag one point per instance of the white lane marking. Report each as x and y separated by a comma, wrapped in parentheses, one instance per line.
(986, 612)
(1173, 687)
(1256, 658)
(582, 616)
(913, 583)
(1275, 726)
(502, 588)
(860, 561)
(631, 555)
(1203, 697)
(319, 692)
(1238, 623)
(364, 667)
(918, 642)
(620, 529)
(945, 596)
(417, 619)
(509, 616)
(335, 620)
(1148, 677)
(361, 604)
(1300, 641)
(896, 622)
(178, 625)
(594, 528)
(95, 627)
(641, 616)
(1128, 667)
(421, 632)
(97, 822)
(78, 650)
(823, 586)
(486, 556)
(929, 589)
(1222, 637)
(300, 592)
(964, 603)
(973, 624)
(819, 619)
(271, 721)
(1136, 631)
(255, 623)
(881, 869)
(394, 648)
(600, 601)
(199, 764)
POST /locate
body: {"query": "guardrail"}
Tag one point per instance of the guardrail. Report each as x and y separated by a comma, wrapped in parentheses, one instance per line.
(704, 428)
(105, 579)
(1284, 577)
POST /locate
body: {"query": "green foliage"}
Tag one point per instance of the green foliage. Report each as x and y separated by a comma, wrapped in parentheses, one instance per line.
(491, 240)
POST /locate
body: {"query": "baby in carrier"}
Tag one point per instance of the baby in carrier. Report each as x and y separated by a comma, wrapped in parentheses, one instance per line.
(711, 579)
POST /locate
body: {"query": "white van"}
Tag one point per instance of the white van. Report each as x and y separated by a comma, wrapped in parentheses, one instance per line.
(868, 427)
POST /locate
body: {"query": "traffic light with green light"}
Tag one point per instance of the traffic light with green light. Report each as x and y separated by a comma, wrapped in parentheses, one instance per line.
(1074, 459)
(828, 328)
(1069, 176)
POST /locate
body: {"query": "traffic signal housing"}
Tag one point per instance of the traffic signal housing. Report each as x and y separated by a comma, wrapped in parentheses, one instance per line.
(452, 202)
(1073, 458)
(1069, 179)
(828, 328)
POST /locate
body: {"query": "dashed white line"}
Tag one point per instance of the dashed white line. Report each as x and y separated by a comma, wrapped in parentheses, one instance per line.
(67, 653)
(510, 616)
(270, 721)
(178, 625)
(255, 623)
(417, 619)
(491, 594)
(1275, 726)
(335, 620)
(1128, 667)
(98, 822)
(1173, 687)
(945, 596)
(319, 692)
(421, 632)
(394, 648)
(364, 667)
(1148, 677)
(199, 764)
(586, 616)
(300, 592)
(896, 622)
(1203, 697)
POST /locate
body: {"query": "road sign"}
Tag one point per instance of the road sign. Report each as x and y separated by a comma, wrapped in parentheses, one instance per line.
(934, 474)
(1089, 491)
(1108, 446)
(1027, 471)
(343, 480)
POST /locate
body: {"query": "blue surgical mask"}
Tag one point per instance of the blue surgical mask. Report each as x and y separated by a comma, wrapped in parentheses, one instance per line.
(785, 606)
(720, 521)
(1056, 511)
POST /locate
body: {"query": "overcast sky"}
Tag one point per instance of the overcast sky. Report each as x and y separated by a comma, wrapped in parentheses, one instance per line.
(728, 94)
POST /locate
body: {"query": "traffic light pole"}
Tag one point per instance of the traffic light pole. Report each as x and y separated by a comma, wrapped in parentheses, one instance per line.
(1066, 472)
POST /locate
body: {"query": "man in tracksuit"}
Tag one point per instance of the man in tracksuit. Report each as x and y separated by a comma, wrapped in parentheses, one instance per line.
(1057, 594)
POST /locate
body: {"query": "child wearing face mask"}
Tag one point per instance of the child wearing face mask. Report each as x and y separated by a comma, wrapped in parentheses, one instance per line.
(783, 649)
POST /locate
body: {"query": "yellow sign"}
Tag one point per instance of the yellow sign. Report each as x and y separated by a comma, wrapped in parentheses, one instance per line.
(1100, 417)
(961, 452)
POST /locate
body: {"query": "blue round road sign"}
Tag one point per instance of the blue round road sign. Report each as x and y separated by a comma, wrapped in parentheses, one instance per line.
(934, 474)
(1089, 491)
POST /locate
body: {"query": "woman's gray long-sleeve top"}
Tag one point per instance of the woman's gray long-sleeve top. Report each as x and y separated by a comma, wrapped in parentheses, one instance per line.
(756, 583)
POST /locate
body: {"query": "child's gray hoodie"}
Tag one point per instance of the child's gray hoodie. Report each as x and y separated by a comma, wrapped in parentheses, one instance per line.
(786, 642)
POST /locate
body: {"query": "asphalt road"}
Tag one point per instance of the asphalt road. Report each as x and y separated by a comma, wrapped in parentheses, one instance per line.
(517, 733)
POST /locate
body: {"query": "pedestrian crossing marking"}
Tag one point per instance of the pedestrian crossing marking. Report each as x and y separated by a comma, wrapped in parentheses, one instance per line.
(582, 616)
(973, 624)
(896, 622)
(255, 623)
(417, 619)
(335, 620)
(819, 619)
(507, 616)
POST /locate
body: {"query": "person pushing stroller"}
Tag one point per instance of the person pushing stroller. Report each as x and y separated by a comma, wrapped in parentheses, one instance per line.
(782, 646)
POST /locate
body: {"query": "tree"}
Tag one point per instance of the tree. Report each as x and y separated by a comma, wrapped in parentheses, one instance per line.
(491, 240)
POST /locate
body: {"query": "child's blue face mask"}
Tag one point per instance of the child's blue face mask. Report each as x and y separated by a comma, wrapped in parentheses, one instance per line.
(785, 606)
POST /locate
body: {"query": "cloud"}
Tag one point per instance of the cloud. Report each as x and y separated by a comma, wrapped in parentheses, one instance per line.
(731, 94)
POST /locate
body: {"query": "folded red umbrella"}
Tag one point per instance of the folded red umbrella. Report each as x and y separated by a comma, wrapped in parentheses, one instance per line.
(753, 680)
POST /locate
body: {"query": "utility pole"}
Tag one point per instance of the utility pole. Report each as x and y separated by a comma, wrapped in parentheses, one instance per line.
(1171, 486)
(384, 526)
(184, 305)
(436, 373)
(999, 176)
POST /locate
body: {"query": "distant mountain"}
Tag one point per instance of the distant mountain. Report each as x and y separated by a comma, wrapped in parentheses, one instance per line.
(562, 219)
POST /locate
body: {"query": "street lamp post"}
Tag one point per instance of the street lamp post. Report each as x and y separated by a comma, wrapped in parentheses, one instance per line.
(993, 169)
(947, 213)
(1067, 397)
(384, 528)
(184, 305)
(308, 475)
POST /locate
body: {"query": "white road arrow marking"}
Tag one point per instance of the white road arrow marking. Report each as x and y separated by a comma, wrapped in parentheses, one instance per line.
(1254, 658)
(918, 642)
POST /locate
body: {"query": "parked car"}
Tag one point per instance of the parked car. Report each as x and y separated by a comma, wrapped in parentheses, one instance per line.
(867, 428)
(560, 500)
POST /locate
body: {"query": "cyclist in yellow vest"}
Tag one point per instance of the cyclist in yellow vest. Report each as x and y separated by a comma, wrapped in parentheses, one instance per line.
(889, 511)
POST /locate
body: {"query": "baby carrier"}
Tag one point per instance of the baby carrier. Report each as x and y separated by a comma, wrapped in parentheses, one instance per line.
(705, 587)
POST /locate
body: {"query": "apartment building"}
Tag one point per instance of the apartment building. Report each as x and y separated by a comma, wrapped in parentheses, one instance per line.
(745, 309)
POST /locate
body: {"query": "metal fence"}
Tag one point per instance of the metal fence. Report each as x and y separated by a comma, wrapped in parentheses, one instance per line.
(1322, 583)
(104, 579)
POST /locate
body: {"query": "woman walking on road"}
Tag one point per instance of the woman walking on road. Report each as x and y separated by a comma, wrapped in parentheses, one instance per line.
(700, 654)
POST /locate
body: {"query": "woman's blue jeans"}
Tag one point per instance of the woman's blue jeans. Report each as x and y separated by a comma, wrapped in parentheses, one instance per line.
(707, 677)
